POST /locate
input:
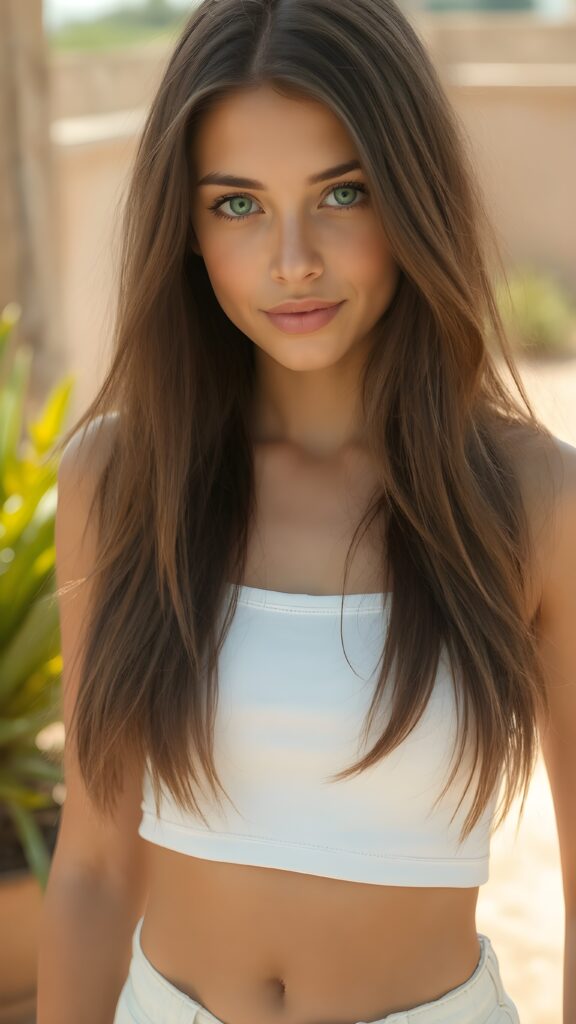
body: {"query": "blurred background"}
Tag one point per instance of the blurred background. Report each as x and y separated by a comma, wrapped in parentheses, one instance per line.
(76, 79)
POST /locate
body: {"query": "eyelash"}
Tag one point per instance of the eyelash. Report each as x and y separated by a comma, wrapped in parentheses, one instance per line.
(215, 206)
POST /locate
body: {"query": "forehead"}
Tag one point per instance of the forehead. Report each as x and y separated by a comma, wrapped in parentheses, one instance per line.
(250, 127)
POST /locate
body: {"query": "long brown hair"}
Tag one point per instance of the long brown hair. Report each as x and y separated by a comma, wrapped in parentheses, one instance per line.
(175, 502)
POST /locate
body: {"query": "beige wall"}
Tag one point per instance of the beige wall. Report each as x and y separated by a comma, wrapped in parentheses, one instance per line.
(123, 79)
(523, 137)
(92, 158)
(515, 38)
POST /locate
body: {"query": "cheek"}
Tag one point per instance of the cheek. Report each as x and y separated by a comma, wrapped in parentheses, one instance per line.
(366, 250)
(228, 269)
(371, 264)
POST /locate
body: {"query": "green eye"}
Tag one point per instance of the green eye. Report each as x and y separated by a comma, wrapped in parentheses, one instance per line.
(346, 187)
(242, 200)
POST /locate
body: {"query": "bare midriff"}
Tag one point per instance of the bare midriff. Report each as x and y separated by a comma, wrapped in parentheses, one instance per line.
(254, 945)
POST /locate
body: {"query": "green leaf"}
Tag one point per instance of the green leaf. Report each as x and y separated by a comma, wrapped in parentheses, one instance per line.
(27, 588)
(12, 788)
(12, 730)
(28, 479)
(9, 317)
(12, 399)
(35, 848)
(32, 764)
(37, 640)
(36, 694)
(44, 432)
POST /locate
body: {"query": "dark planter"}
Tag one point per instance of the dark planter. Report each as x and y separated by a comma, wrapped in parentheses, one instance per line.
(20, 909)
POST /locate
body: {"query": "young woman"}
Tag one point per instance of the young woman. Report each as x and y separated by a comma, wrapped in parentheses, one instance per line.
(315, 562)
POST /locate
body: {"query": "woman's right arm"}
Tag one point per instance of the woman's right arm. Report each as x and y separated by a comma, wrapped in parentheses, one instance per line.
(97, 885)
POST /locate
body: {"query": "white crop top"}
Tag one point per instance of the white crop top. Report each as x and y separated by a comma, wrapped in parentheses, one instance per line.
(289, 715)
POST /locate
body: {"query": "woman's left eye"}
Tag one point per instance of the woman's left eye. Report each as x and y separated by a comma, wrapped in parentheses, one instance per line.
(350, 186)
(347, 187)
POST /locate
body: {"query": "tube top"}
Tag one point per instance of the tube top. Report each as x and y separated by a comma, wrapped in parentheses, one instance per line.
(289, 714)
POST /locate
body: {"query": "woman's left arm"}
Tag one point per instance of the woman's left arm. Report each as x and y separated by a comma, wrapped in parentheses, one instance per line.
(557, 640)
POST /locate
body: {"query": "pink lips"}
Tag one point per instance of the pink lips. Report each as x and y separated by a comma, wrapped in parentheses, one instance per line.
(304, 323)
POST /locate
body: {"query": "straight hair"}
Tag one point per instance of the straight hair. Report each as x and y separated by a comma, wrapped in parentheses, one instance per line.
(175, 502)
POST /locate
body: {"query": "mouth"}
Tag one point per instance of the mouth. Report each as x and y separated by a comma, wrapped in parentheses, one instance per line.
(305, 322)
(303, 305)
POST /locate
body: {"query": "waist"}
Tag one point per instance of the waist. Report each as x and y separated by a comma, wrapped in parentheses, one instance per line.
(312, 948)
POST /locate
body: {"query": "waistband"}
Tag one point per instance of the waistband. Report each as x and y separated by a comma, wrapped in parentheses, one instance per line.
(472, 1002)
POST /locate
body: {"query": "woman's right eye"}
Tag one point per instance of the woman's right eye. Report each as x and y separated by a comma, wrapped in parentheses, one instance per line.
(219, 203)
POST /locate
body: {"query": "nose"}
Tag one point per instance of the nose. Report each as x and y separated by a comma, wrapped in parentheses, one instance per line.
(296, 254)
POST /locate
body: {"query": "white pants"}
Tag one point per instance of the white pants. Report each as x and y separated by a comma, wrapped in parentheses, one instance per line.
(149, 998)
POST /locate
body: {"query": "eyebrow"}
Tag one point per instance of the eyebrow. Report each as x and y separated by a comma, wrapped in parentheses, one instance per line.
(235, 182)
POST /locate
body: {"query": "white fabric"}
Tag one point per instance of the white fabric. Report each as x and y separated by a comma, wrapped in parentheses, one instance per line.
(289, 715)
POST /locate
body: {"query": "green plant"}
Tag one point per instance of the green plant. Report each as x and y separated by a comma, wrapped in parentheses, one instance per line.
(30, 656)
(538, 312)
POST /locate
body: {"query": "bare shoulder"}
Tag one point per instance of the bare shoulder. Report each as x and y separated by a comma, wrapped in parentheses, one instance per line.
(559, 538)
(546, 473)
(90, 448)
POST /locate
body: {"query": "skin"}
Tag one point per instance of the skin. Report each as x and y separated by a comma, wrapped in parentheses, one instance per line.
(248, 942)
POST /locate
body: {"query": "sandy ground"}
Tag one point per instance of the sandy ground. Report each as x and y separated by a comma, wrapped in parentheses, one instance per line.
(521, 906)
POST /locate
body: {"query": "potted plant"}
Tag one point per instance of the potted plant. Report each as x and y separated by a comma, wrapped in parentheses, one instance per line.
(31, 774)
